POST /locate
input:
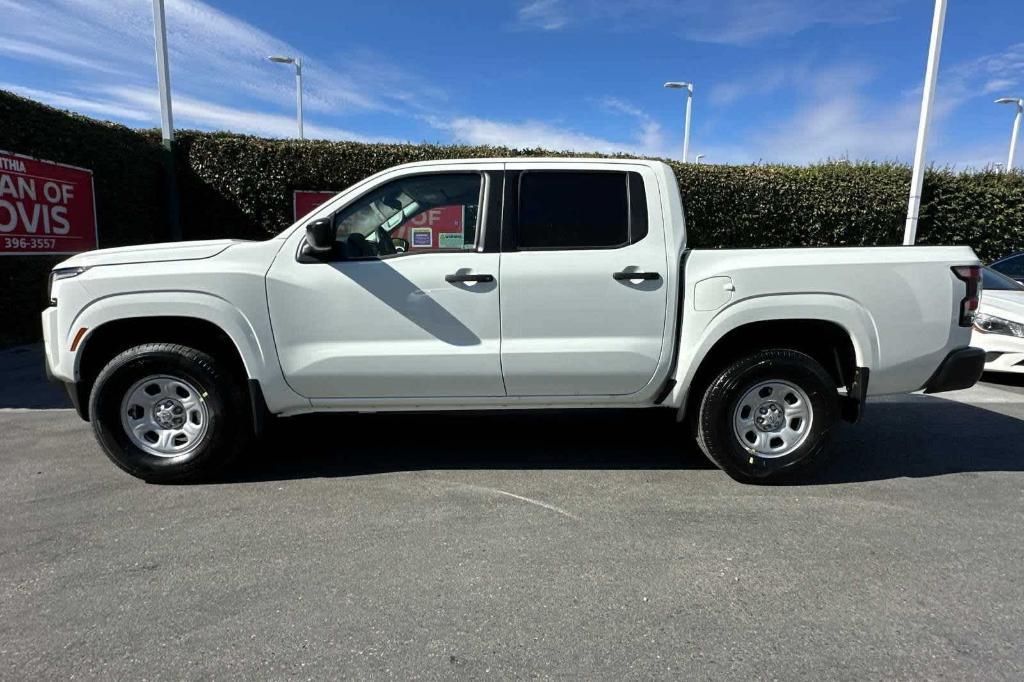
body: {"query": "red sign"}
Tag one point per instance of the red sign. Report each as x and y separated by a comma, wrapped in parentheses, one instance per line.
(304, 201)
(436, 228)
(45, 207)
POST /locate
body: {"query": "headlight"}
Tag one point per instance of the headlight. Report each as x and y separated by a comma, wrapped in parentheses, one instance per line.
(61, 273)
(990, 324)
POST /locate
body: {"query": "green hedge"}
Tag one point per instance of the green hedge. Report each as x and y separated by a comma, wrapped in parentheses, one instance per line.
(241, 186)
(727, 206)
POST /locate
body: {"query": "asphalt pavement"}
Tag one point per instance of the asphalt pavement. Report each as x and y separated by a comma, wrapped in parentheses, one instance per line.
(585, 545)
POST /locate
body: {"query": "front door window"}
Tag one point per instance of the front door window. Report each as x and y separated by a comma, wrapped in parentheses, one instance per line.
(414, 214)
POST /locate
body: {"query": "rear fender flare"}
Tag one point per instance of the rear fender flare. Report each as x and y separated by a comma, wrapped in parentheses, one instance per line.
(710, 328)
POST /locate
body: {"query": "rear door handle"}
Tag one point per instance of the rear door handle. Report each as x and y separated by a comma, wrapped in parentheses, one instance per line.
(452, 279)
(635, 275)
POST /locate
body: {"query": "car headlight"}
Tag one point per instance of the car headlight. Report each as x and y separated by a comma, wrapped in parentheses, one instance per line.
(61, 273)
(990, 324)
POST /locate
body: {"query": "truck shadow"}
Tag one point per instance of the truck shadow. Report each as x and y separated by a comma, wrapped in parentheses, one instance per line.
(914, 436)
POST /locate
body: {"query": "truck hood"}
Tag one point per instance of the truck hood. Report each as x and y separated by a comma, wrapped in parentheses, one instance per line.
(1008, 305)
(149, 253)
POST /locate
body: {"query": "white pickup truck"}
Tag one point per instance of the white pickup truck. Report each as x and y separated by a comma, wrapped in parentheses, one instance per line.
(499, 284)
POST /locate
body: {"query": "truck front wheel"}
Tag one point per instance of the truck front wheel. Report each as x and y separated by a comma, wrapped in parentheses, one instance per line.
(768, 416)
(168, 413)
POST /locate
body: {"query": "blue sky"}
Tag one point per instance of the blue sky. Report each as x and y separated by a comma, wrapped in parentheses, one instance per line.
(792, 81)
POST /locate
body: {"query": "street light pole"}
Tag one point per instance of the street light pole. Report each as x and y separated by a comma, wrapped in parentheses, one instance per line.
(163, 73)
(674, 85)
(298, 94)
(1016, 126)
(697, 158)
(163, 80)
(927, 98)
(298, 85)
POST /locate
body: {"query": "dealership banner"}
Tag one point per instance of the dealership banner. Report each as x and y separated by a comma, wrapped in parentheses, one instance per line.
(45, 207)
(304, 201)
(436, 228)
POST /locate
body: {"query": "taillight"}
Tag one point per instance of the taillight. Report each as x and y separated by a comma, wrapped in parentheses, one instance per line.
(971, 276)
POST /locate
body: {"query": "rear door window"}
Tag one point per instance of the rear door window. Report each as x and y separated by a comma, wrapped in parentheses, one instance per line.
(578, 210)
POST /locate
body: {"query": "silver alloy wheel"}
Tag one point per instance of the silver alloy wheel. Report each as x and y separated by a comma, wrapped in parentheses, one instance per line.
(773, 418)
(165, 416)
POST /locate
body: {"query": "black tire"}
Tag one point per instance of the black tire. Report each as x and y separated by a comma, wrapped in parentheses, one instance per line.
(719, 439)
(226, 412)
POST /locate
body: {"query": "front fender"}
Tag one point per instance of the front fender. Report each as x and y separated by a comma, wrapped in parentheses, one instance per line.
(198, 305)
(252, 337)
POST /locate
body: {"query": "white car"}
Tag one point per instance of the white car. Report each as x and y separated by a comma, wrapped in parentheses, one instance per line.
(494, 284)
(999, 324)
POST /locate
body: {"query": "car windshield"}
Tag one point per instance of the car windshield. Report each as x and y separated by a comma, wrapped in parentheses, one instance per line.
(994, 281)
(1011, 266)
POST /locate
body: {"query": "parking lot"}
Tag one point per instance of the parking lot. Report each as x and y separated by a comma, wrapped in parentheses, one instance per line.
(547, 545)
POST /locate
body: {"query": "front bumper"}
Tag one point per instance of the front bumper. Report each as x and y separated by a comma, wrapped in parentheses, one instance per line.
(961, 369)
(69, 386)
(1005, 362)
(51, 357)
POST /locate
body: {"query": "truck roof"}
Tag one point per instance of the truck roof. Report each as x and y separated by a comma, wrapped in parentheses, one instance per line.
(538, 159)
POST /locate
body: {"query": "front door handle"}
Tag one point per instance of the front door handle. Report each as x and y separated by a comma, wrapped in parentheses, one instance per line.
(635, 275)
(458, 277)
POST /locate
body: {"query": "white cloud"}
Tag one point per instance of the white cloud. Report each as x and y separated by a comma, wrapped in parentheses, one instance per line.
(647, 139)
(95, 107)
(21, 49)
(523, 135)
(547, 15)
(735, 22)
(757, 83)
(140, 104)
(650, 138)
(976, 156)
(214, 56)
(998, 85)
(836, 117)
(837, 114)
(995, 72)
(196, 113)
(742, 22)
(843, 126)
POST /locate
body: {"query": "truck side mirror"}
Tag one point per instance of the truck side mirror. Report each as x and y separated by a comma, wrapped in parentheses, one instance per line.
(320, 235)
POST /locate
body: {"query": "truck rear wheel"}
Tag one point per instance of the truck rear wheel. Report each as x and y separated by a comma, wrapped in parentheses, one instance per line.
(168, 413)
(768, 416)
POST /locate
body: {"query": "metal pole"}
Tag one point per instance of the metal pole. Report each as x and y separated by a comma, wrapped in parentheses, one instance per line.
(1013, 136)
(686, 130)
(163, 78)
(298, 93)
(930, 76)
(163, 72)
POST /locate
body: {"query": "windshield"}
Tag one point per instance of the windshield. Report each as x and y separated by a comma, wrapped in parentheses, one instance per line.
(994, 281)
(1011, 266)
